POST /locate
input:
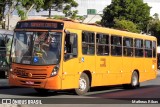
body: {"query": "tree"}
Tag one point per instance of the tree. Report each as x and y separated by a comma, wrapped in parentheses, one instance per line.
(25, 6)
(131, 10)
(154, 27)
(5, 9)
(126, 25)
(61, 5)
(58, 17)
(2, 8)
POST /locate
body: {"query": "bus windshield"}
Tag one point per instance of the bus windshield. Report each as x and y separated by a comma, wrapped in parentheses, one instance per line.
(36, 48)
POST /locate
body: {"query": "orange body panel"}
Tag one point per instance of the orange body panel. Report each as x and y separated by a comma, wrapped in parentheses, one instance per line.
(104, 70)
(40, 77)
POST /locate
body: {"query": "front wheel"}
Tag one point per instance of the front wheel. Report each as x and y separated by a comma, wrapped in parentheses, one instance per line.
(84, 85)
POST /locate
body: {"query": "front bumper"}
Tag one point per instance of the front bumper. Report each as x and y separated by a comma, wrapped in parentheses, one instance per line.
(53, 83)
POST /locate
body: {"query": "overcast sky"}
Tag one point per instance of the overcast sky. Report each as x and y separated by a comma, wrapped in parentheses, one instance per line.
(155, 4)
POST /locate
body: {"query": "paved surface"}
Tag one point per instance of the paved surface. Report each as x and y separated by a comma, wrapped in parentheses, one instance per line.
(4, 82)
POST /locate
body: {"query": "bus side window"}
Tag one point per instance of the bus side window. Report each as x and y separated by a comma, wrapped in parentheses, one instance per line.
(116, 45)
(102, 45)
(127, 46)
(70, 49)
(138, 48)
(148, 48)
(88, 43)
(154, 49)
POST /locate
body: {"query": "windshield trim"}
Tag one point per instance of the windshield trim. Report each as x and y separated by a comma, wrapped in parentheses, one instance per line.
(33, 40)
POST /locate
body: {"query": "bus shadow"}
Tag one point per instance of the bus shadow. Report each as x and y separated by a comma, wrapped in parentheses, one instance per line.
(29, 92)
(110, 92)
(149, 91)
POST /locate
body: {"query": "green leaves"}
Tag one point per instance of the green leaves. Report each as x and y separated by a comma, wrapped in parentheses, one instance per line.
(25, 6)
(126, 25)
(21, 13)
(56, 5)
(154, 27)
(129, 10)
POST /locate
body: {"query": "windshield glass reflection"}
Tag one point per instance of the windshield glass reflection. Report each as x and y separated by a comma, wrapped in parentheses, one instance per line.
(37, 48)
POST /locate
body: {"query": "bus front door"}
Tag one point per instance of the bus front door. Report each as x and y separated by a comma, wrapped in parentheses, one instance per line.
(70, 62)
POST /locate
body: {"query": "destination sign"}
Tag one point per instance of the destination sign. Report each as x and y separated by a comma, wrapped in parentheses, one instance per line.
(50, 25)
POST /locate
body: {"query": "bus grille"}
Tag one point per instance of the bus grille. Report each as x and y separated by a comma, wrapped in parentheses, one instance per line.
(26, 73)
(34, 76)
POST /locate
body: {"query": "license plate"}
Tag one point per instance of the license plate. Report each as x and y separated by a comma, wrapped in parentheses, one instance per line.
(29, 82)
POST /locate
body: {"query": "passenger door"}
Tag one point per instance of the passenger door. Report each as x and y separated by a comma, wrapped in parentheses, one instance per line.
(70, 61)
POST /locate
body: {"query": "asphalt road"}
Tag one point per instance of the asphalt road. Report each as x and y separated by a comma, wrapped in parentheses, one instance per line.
(99, 96)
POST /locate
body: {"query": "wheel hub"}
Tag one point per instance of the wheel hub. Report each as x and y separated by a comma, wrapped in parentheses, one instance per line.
(135, 81)
(83, 84)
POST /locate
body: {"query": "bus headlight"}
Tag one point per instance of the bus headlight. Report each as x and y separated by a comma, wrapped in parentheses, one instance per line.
(11, 70)
(55, 71)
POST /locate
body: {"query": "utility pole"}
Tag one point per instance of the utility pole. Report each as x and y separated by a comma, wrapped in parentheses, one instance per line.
(50, 12)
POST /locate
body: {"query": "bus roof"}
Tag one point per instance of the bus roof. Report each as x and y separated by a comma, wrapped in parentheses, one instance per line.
(95, 28)
(71, 24)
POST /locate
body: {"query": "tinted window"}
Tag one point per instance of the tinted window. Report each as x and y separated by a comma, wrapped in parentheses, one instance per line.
(148, 48)
(102, 44)
(70, 46)
(127, 46)
(88, 43)
(138, 47)
(154, 49)
(116, 45)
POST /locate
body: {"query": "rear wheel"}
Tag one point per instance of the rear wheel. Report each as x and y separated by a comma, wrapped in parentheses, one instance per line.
(84, 85)
(41, 91)
(134, 82)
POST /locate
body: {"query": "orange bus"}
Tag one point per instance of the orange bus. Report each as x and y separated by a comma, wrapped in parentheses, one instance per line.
(50, 54)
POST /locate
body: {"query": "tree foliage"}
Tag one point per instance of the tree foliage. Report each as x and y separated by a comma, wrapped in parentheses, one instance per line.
(25, 6)
(154, 27)
(2, 8)
(4, 11)
(57, 5)
(126, 25)
(62, 5)
(131, 10)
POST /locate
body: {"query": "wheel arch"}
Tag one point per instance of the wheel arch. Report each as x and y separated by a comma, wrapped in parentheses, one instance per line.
(89, 76)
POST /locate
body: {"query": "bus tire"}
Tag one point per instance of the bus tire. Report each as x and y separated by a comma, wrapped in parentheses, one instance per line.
(134, 82)
(41, 91)
(84, 85)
